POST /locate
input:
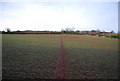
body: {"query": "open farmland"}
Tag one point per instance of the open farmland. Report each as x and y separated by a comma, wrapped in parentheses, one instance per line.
(50, 56)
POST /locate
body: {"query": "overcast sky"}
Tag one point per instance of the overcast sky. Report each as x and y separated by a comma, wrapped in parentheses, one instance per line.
(59, 15)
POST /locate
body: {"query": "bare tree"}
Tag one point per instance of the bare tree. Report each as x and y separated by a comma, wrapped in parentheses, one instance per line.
(8, 29)
(112, 31)
(98, 30)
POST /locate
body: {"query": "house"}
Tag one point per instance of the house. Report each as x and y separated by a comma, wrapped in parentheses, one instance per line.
(95, 34)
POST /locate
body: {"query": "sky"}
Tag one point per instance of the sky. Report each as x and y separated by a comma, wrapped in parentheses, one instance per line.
(55, 16)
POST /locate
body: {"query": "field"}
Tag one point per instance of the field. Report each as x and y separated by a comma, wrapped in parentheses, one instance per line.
(52, 56)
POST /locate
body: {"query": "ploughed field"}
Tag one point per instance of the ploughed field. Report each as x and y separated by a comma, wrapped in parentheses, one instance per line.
(51, 56)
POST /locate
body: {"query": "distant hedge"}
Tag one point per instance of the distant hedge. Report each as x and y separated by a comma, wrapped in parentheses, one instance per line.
(112, 35)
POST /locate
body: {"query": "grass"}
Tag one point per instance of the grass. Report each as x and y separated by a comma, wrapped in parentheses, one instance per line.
(37, 55)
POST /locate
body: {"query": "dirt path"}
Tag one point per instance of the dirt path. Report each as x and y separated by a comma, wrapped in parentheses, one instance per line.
(60, 74)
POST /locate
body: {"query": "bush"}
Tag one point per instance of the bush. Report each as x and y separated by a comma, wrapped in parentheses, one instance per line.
(114, 36)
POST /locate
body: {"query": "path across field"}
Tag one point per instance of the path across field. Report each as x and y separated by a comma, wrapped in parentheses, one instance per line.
(61, 66)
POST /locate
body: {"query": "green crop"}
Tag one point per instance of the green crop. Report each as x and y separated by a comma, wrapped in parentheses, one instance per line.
(36, 56)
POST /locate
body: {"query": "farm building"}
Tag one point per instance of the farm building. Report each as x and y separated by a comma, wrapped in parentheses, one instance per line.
(95, 34)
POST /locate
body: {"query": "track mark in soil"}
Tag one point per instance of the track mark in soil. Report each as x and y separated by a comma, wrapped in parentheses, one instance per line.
(60, 74)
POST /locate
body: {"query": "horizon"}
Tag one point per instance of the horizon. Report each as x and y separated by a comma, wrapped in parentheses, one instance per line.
(54, 16)
(6, 30)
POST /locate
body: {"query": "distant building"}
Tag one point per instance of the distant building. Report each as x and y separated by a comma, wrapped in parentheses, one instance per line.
(96, 34)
